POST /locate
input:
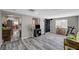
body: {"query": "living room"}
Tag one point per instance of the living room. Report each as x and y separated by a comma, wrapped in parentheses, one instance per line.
(37, 24)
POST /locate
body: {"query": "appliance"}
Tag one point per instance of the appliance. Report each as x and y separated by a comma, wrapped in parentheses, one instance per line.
(37, 31)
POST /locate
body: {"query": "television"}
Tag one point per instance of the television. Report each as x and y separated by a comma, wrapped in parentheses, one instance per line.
(37, 26)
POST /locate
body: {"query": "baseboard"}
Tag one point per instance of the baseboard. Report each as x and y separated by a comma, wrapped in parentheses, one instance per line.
(26, 37)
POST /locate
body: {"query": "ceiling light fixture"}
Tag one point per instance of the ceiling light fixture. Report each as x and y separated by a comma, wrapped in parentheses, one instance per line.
(32, 10)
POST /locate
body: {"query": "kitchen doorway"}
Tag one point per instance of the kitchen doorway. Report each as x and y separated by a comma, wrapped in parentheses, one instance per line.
(11, 28)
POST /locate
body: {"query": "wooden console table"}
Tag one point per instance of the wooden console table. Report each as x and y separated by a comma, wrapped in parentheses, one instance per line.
(6, 35)
(71, 43)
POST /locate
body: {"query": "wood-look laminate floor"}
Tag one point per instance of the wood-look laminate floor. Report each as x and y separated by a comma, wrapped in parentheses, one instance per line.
(44, 42)
(15, 45)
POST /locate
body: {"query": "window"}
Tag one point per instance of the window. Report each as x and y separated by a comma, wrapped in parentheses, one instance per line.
(61, 23)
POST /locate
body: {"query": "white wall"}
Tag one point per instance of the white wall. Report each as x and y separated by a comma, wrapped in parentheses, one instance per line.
(72, 21)
(0, 29)
(42, 25)
(52, 26)
(26, 26)
(78, 23)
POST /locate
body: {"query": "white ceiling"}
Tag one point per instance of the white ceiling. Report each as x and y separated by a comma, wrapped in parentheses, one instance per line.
(46, 13)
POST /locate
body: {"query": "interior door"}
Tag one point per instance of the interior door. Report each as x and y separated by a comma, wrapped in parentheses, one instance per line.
(47, 25)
